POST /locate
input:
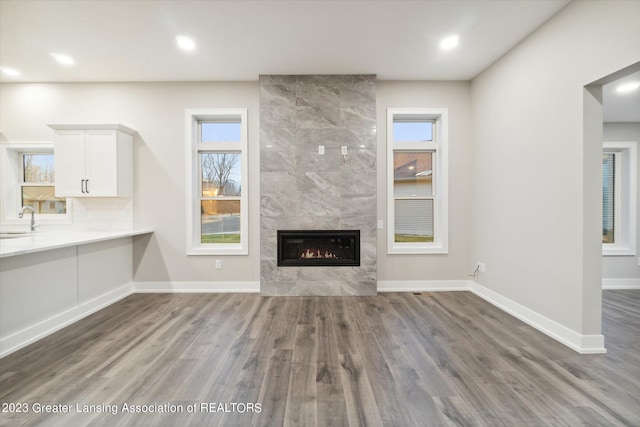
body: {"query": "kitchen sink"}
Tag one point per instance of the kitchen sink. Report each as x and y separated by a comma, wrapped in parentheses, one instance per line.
(14, 234)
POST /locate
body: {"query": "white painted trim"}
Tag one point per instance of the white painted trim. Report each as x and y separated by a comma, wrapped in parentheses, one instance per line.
(424, 285)
(11, 181)
(583, 344)
(631, 283)
(105, 126)
(626, 201)
(196, 287)
(440, 146)
(48, 326)
(194, 147)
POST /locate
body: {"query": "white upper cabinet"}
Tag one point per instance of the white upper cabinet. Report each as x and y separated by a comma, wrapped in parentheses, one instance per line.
(93, 160)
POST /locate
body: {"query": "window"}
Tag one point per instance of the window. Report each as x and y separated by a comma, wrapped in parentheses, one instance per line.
(28, 170)
(417, 181)
(608, 190)
(37, 188)
(217, 166)
(220, 176)
(619, 198)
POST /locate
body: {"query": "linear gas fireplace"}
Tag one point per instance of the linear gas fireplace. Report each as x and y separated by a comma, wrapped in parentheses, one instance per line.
(313, 248)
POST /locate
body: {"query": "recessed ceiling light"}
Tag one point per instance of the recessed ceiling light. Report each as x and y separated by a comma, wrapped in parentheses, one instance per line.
(63, 59)
(628, 87)
(10, 72)
(185, 43)
(450, 42)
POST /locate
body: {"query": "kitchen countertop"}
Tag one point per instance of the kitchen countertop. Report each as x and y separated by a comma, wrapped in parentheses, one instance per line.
(48, 240)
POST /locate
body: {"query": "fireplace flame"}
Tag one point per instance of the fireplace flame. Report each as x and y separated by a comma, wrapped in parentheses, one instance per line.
(317, 253)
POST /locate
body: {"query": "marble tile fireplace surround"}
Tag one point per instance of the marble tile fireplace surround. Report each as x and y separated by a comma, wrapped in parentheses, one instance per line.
(302, 189)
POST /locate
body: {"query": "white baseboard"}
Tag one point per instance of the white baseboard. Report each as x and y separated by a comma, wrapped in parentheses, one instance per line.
(424, 285)
(632, 283)
(40, 330)
(196, 287)
(583, 344)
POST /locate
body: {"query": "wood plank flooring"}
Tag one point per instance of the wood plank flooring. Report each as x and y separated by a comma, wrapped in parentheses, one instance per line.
(399, 359)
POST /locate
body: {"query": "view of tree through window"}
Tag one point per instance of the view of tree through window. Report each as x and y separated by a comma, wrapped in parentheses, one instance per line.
(37, 187)
(218, 184)
(220, 174)
(220, 197)
(38, 168)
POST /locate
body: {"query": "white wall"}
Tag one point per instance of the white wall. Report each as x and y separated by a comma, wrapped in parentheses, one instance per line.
(623, 267)
(456, 97)
(156, 111)
(526, 209)
(534, 221)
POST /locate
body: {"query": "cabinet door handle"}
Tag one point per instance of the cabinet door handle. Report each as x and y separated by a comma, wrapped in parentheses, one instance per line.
(82, 185)
(86, 185)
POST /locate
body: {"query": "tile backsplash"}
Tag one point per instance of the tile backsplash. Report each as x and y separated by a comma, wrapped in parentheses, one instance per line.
(102, 214)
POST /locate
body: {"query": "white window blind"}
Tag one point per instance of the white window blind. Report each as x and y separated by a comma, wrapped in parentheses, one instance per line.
(608, 197)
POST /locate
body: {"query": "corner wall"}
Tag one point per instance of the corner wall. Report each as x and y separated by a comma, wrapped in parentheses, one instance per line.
(530, 221)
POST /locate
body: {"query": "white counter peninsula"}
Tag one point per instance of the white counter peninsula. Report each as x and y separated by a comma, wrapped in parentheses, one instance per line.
(51, 279)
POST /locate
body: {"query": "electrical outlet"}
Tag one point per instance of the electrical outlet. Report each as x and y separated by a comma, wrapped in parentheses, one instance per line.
(481, 267)
(343, 150)
(321, 150)
(218, 264)
(380, 224)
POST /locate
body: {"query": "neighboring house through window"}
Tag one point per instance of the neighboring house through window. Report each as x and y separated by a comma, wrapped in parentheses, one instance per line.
(29, 180)
(417, 207)
(37, 188)
(217, 167)
(619, 198)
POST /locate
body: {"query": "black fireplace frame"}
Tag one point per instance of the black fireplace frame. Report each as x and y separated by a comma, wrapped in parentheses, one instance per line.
(319, 262)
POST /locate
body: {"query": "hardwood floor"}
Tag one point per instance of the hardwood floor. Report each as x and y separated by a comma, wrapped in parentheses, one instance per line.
(395, 360)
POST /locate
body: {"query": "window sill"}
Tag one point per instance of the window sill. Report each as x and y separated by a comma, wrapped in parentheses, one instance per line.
(417, 250)
(618, 251)
(234, 250)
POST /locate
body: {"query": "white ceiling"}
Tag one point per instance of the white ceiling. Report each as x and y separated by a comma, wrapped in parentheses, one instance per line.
(118, 40)
(621, 107)
(134, 40)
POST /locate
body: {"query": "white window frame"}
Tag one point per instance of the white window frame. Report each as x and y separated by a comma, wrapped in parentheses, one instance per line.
(194, 148)
(439, 147)
(625, 198)
(11, 187)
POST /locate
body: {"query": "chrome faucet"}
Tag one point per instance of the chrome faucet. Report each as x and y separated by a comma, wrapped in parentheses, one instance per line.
(33, 220)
